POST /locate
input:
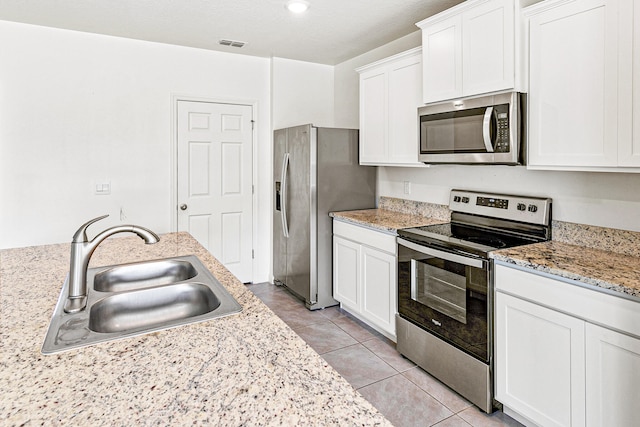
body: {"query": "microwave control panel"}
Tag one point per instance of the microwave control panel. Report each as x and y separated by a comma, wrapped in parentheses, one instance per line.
(501, 114)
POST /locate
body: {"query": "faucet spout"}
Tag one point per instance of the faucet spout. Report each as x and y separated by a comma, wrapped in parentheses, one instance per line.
(81, 251)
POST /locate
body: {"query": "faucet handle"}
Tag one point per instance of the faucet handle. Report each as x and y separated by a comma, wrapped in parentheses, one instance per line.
(81, 235)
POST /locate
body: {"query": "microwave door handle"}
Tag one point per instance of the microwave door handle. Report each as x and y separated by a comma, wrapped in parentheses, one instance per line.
(486, 129)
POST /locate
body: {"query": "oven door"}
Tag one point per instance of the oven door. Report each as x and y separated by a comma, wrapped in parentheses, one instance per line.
(446, 294)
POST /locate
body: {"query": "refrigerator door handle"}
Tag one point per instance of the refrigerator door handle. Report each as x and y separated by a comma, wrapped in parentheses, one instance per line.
(283, 194)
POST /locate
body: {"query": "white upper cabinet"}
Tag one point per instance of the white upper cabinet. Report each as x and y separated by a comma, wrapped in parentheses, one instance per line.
(488, 43)
(584, 73)
(442, 55)
(470, 50)
(573, 84)
(390, 92)
(629, 89)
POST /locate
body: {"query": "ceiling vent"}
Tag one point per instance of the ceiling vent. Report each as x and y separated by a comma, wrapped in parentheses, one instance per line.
(232, 43)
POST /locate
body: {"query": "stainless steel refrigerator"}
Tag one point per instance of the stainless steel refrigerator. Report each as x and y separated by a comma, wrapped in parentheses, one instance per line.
(315, 171)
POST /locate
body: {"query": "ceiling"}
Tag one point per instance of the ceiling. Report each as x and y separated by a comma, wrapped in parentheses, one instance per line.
(330, 32)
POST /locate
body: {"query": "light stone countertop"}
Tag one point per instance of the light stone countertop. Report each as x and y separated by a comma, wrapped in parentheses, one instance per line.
(384, 220)
(600, 268)
(608, 270)
(245, 369)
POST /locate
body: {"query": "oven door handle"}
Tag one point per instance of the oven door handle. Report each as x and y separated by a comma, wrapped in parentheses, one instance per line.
(477, 263)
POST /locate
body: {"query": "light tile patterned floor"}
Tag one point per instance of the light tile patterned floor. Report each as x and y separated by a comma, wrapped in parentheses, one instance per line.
(403, 392)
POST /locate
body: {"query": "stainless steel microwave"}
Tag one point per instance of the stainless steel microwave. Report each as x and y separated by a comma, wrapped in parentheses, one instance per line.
(485, 130)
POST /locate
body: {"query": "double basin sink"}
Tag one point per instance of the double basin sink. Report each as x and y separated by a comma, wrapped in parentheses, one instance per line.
(138, 298)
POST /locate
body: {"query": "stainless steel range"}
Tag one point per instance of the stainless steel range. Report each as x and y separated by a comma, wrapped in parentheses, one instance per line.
(445, 289)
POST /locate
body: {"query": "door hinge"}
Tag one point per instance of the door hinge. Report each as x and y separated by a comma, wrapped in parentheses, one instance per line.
(253, 189)
(253, 254)
(253, 122)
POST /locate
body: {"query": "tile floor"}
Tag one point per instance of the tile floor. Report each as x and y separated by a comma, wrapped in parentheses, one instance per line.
(403, 392)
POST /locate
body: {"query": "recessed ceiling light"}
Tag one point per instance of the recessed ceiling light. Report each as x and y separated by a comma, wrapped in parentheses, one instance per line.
(297, 6)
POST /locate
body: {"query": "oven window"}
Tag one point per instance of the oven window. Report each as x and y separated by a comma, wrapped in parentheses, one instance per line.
(441, 285)
(448, 299)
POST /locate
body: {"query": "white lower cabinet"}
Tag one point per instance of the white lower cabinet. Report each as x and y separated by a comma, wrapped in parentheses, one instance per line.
(613, 377)
(565, 355)
(364, 275)
(346, 274)
(540, 372)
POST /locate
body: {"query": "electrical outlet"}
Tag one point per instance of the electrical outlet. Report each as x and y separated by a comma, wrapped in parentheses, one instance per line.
(407, 187)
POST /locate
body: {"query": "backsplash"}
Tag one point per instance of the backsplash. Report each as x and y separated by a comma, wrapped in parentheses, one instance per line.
(413, 207)
(591, 236)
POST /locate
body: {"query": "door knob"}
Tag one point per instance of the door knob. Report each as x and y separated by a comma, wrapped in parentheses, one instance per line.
(183, 207)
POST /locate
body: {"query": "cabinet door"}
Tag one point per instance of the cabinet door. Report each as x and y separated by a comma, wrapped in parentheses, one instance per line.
(488, 47)
(629, 88)
(379, 288)
(613, 377)
(373, 117)
(573, 84)
(539, 362)
(442, 60)
(405, 94)
(346, 272)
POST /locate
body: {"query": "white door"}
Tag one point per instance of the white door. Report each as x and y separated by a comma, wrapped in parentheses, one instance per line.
(346, 272)
(540, 367)
(442, 60)
(215, 181)
(488, 47)
(373, 117)
(573, 84)
(379, 288)
(613, 375)
(404, 96)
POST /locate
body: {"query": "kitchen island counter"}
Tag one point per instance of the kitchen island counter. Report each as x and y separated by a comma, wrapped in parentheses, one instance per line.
(599, 269)
(246, 369)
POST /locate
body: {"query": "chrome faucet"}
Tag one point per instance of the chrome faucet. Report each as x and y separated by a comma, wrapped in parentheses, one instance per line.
(81, 251)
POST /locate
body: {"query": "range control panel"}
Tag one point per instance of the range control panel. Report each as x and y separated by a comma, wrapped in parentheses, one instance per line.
(492, 202)
(535, 210)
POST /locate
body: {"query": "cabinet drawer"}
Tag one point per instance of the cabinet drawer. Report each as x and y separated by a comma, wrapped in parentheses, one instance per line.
(375, 239)
(571, 298)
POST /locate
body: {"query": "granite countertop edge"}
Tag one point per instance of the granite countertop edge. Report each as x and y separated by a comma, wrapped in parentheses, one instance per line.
(600, 270)
(383, 219)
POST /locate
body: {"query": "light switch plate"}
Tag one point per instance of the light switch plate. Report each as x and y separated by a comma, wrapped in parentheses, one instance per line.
(103, 188)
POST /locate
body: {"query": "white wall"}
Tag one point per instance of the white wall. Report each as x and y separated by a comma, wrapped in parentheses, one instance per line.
(603, 199)
(347, 81)
(76, 108)
(301, 93)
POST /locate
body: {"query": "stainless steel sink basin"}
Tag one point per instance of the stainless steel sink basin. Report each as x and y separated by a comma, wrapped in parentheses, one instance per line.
(150, 307)
(134, 299)
(143, 275)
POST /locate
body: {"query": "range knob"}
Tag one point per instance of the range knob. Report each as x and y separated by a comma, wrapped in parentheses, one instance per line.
(521, 206)
(456, 198)
(533, 208)
(465, 200)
